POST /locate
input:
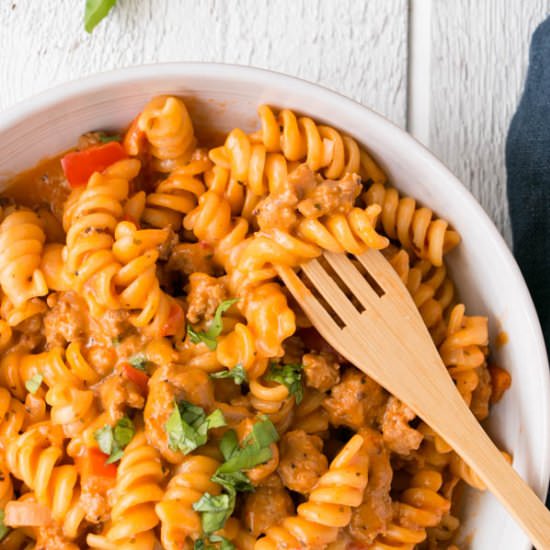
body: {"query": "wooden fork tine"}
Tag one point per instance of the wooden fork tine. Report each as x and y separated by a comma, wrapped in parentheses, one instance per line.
(388, 279)
(329, 289)
(353, 278)
(310, 305)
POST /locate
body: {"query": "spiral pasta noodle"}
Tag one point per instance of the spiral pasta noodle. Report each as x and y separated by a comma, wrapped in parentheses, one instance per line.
(169, 130)
(90, 218)
(179, 522)
(21, 245)
(137, 491)
(329, 505)
(413, 227)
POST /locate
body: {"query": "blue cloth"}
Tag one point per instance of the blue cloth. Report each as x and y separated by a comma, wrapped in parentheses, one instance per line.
(528, 167)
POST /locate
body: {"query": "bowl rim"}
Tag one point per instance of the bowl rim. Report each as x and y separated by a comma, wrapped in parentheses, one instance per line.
(58, 93)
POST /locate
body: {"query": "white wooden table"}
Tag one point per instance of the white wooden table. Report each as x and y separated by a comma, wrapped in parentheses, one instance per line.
(450, 71)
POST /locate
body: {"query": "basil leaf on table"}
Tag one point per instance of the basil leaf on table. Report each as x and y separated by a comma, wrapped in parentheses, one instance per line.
(95, 12)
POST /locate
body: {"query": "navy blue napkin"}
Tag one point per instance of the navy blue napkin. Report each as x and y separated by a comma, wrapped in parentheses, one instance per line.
(528, 167)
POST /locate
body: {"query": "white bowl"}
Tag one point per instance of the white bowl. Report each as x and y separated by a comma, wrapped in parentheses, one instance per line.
(489, 281)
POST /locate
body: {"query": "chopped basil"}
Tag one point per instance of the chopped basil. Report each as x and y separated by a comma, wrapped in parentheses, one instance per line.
(254, 450)
(290, 376)
(115, 341)
(104, 138)
(4, 530)
(215, 510)
(95, 11)
(237, 481)
(113, 441)
(33, 383)
(203, 544)
(139, 362)
(188, 426)
(238, 373)
(209, 336)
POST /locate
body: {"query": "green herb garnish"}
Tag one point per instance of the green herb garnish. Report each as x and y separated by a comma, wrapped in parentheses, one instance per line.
(115, 341)
(4, 530)
(238, 373)
(254, 450)
(203, 544)
(209, 337)
(95, 11)
(33, 383)
(188, 426)
(290, 376)
(139, 362)
(215, 510)
(113, 441)
(104, 138)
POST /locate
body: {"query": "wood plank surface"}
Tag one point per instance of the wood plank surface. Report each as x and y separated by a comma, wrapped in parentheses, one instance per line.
(356, 48)
(479, 55)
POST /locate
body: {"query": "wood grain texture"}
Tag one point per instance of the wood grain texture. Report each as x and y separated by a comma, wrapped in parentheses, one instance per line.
(478, 65)
(356, 48)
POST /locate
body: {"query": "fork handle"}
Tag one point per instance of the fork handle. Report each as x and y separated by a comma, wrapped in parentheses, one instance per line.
(464, 433)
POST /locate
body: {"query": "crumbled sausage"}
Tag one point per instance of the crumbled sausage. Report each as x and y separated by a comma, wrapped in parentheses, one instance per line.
(302, 461)
(331, 197)
(189, 258)
(268, 505)
(397, 434)
(118, 393)
(372, 516)
(113, 324)
(321, 371)
(66, 321)
(277, 211)
(481, 396)
(357, 401)
(89, 139)
(205, 293)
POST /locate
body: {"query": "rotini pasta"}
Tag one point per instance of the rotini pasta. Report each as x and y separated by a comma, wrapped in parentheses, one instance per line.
(160, 388)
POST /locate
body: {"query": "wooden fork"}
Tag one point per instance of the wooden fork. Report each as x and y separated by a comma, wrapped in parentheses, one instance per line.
(386, 338)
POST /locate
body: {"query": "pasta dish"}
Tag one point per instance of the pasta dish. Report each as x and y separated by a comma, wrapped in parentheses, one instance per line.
(159, 387)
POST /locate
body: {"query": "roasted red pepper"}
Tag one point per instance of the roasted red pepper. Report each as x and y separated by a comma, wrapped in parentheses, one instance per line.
(138, 377)
(78, 166)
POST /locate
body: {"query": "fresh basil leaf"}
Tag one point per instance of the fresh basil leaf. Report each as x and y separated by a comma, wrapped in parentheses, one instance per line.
(139, 362)
(188, 426)
(215, 510)
(263, 433)
(115, 456)
(104, 438)
(290, 376)
(229, 444)
(225, 544)
(255, 450)
(34, 383)
(238, 373)
(124, 432)
(202, 544)
(4, 530)
(104, 138)
(198, 337)
(234, 481)
(95, 11)
(209, 337)
(113, 441)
